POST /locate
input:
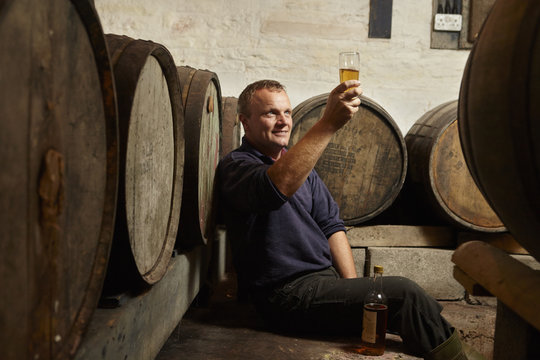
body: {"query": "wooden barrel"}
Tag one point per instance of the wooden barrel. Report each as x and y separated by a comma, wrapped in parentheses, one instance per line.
(499, 116)
(201, 96)
(151, 128)
(59, 174)
(365, 163)
(438, 175)
(231, 135)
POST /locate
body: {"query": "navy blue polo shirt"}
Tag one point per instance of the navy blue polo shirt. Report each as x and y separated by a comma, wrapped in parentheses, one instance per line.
(273, 238)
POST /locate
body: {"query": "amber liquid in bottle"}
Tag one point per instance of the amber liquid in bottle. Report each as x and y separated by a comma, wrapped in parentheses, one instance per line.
(375, 318)
(374, 329)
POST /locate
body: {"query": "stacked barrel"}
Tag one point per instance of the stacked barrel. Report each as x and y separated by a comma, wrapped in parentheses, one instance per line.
(377, 176)
(60, 167)
(499, 117)
(499, 126)
(109, 154)
(439, 184)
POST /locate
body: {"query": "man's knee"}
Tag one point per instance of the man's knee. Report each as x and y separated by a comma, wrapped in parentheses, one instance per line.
(404, 288)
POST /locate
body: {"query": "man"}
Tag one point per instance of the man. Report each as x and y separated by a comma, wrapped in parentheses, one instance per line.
(290, 248)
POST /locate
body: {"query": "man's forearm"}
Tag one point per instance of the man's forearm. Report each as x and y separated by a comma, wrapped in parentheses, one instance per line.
(342, 255)
(292, 169)
(294, 166)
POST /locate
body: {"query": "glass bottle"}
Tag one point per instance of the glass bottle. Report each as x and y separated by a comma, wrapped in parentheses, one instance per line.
(375, 317)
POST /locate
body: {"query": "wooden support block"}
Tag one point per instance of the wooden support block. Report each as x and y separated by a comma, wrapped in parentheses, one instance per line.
(398, 235)
(469, 284)
(138, 329)
(503, 241)
(512, 282)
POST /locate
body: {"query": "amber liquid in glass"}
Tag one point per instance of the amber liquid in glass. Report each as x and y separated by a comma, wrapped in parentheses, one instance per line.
(348, 74)
(374, 329)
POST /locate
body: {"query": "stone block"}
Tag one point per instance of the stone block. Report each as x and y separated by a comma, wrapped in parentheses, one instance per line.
(432, 269)
(359, 257)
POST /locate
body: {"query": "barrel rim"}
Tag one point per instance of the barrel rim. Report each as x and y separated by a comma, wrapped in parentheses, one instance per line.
(228, 102)
(365, 102)
(90, 19)
(190, 71)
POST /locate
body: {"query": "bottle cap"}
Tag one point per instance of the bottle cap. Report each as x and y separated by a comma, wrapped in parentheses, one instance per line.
(378, 269)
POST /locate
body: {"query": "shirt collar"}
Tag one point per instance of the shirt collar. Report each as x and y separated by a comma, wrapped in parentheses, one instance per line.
(246, 146)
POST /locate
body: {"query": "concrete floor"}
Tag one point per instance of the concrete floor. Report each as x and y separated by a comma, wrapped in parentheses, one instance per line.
(225, 329)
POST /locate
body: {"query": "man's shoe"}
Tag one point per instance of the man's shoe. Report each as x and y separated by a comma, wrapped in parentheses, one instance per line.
(454, 349)
(471, 353)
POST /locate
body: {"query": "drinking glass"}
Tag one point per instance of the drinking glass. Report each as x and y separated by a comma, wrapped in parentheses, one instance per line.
(349, 65)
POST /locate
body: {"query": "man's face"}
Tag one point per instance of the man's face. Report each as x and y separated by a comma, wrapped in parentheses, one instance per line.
(269, 126)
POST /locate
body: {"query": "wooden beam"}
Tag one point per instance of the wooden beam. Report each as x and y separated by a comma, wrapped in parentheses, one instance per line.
(469, 284)
(138, 329)
(512, 282)
(401, 235)
(504, 241)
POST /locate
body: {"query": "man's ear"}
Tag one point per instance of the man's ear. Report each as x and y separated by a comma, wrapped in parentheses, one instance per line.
(244, 120)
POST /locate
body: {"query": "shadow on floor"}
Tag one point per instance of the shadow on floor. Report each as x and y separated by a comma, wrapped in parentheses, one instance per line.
(225, 329)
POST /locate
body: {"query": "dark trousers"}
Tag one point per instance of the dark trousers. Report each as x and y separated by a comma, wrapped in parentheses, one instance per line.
(324, 302)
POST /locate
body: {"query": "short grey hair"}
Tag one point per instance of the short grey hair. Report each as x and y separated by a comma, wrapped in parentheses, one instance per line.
(244, 100)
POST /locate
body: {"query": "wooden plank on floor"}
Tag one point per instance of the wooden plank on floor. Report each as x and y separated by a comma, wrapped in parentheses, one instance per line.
(504, 241)
(138, 329)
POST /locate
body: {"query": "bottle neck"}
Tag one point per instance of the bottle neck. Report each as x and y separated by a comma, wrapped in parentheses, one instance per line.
(376, 294)
(377, 281)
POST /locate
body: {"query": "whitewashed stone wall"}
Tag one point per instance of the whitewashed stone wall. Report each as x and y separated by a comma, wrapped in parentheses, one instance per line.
(297, 42)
